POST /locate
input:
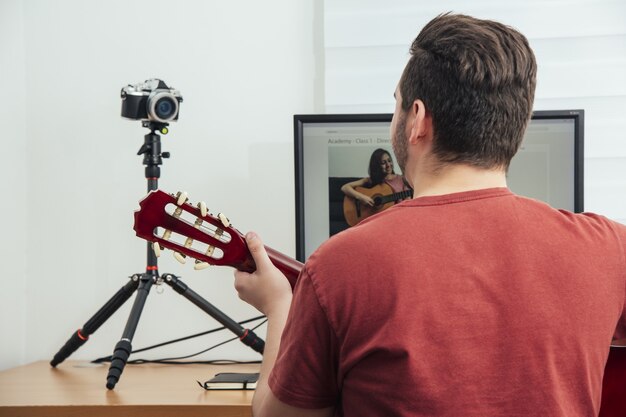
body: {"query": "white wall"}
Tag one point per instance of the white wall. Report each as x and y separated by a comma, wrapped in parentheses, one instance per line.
(71, 180)
(71, 177)
(580, 47)
(13, 186)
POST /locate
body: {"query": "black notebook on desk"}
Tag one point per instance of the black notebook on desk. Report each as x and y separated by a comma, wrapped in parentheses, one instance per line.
(231, 380)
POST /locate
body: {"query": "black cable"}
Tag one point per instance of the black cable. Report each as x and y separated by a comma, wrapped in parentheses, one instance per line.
(175, 360)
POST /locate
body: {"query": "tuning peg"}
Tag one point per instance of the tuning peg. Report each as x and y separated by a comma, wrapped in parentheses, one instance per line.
(210, 250)
(203, 209)
(224, 219)
(180, 257)
(198, 223)
(181, 198)
(156, 248)
(200, 265)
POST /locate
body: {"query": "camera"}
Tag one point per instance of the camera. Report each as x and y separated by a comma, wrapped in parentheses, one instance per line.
(151, 100)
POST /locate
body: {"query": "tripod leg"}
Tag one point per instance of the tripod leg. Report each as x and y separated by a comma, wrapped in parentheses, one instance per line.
(124, 346)
(247, 336)
(81, 335)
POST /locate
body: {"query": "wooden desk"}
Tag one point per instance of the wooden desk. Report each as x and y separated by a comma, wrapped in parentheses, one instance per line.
(77, 388)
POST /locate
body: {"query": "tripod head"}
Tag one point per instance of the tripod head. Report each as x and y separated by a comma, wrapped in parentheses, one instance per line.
(151, 151)
(152, 125)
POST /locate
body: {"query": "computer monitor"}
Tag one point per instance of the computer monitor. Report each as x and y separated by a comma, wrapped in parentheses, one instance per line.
(333, 149)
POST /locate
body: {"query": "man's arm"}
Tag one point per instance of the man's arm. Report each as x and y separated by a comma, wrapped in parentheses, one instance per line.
(268, 290)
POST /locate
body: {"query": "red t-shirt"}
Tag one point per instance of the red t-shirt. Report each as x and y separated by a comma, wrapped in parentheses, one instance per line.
(480, 303)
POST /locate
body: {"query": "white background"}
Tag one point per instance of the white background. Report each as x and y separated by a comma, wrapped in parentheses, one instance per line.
(71, 178)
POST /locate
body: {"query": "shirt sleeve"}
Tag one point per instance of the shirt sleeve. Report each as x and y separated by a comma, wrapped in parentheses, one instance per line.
(305, 372)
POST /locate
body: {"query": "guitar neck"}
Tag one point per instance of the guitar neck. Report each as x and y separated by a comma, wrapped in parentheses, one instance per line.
(400, 195)
(287, 265)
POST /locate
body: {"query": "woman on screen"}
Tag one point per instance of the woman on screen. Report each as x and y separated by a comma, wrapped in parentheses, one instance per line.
(372, 194)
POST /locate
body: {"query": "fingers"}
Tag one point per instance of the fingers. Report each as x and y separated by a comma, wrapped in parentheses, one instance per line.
(241, 279)
(266, 289)
(240, 276)
(368, 200)
(258, 252)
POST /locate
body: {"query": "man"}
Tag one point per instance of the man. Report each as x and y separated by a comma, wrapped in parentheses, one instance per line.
(467, 300)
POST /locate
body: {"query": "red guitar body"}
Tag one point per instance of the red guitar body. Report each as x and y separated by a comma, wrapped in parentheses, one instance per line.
(614, 384)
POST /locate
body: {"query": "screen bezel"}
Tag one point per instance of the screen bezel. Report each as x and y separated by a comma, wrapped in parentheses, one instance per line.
(301, 119)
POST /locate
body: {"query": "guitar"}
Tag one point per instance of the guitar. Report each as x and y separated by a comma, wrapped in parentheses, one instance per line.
(170, 221)
(354, 210)
(614, 383)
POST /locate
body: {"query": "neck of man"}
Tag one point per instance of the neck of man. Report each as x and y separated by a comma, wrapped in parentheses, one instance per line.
(454, 178)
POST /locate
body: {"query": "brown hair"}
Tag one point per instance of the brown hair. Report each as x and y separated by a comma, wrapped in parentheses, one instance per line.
(375, 171)
(477, 79)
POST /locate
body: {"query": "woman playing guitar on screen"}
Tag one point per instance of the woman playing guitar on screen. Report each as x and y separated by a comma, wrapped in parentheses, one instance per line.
(372, 194)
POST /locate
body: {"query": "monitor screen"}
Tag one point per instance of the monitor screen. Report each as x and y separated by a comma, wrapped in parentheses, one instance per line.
(334, 149)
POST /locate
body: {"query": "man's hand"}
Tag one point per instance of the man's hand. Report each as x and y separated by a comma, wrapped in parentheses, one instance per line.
(367, 200)
(267, 288)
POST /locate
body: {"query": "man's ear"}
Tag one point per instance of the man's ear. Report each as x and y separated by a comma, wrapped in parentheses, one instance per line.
(421, 122)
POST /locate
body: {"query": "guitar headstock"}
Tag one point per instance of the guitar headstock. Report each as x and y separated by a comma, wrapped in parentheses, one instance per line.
(171, 222)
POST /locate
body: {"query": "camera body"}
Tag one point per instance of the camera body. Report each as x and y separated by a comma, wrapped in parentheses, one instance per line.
(151, 100)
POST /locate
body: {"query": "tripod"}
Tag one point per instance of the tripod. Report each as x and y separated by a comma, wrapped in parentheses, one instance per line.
(142, 282)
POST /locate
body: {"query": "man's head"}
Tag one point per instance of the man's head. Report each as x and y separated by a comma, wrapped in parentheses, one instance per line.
(476, 80)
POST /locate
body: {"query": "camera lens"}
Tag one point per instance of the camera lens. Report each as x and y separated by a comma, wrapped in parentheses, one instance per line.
(162, 106)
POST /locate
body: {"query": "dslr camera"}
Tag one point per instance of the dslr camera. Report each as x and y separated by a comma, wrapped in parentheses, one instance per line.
(151, 100)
